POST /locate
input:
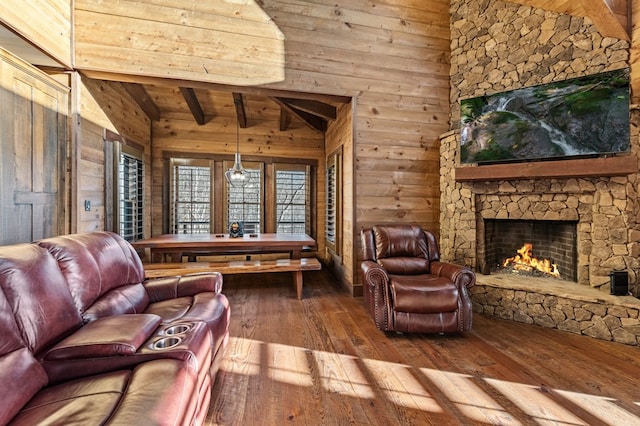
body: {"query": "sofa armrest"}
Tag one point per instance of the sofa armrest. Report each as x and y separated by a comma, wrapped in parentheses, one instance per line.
(105, 337)
(377, 297)
(462, 276)
(187, 285)
(373, 274)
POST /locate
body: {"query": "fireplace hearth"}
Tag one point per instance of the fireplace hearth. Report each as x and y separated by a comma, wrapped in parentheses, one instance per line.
(554, 242)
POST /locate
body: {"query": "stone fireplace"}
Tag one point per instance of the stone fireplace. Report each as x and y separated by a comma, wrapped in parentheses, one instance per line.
(597, 210)
(499, 46)
(588, 224)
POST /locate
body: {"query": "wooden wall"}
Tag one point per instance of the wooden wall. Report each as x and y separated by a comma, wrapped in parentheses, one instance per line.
(339, 138)
(33, 143)
(102, 105)
(45, 23)
(216, 41)
(392, 57)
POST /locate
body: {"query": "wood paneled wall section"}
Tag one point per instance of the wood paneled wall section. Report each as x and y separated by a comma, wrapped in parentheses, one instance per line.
(392, 56)
(33, 142)
(214, 41)
(103, 105)
(45, 23)
(339, 137)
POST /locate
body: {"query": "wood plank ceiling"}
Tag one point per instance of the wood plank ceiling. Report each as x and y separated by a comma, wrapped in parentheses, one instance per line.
(314, 113)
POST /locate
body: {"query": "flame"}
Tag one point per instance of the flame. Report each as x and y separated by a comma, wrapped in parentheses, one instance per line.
(524, 261)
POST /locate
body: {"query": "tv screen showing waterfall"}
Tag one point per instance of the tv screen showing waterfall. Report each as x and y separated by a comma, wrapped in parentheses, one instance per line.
(581, 117)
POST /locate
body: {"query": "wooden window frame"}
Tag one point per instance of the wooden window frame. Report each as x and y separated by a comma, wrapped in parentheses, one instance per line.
(177, 162)
(334, 162)
(114, 148)
(219, 192)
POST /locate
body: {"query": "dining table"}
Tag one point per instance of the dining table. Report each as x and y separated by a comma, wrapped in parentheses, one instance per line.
(172, 247)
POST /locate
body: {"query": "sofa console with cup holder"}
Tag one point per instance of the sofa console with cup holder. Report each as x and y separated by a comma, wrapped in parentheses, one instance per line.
(86, 340)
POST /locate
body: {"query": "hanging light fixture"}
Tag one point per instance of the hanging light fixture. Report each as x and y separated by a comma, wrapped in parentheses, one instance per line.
(237, 175)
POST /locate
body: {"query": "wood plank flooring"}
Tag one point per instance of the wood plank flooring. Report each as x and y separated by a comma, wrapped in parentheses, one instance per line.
(321, 361)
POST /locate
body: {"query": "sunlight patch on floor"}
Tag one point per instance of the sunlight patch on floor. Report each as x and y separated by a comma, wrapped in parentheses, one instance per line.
(469, 398)
(606, 409)
(341, 374)
(533, 402)
(349, 376)
(401, 386)
(288, 364)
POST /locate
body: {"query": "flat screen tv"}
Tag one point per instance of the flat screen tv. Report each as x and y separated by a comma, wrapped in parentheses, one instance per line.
(581, 117)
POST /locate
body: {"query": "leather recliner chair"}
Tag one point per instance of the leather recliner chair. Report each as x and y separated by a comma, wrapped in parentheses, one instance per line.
(407, 288)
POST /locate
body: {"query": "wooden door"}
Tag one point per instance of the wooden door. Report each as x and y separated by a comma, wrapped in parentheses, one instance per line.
(33, 133)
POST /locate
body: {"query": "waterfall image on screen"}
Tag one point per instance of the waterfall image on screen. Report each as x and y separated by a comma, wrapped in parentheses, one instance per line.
(581, 117)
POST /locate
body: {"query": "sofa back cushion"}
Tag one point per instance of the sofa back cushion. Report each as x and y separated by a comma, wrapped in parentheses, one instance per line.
(38, 296)
(401, 249)
(18, 367)
(100, 265)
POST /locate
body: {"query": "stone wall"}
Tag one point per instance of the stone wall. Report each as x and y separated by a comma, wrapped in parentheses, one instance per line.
(584, 311)
(498, 46)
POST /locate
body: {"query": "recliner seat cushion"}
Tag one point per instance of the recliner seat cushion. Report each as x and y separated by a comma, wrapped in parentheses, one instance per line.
(157, 390)
(424, 294)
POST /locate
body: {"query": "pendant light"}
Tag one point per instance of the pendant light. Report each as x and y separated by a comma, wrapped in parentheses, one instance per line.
(237, 175)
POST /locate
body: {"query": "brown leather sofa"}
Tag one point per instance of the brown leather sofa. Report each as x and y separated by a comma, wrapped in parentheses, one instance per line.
(407, 288)
(87, 341)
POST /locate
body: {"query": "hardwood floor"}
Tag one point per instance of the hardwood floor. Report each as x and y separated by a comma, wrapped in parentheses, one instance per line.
(321, 361)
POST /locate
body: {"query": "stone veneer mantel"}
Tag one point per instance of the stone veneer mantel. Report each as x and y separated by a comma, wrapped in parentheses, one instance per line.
(585, 167)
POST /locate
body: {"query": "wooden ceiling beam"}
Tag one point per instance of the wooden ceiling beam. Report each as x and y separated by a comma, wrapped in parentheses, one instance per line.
(241, 112)
(313, 121)
(190, 97)
(326, 111)
(144, 101)
(285, 119)
(609, 23)
(173, 83)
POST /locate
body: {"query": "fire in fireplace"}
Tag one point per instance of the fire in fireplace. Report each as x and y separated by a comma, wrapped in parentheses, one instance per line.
(555, 242)
(527, 263)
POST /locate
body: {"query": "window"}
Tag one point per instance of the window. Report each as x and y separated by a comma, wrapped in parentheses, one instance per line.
(292, 199)
(333, 203)
(191, 196)
(124, 209)
(244, 203)
(277, 197)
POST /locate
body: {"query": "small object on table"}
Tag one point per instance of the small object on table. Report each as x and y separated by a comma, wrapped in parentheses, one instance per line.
(236, 229)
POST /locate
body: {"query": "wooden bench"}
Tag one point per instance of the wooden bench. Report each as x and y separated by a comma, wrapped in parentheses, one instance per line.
(161, 270)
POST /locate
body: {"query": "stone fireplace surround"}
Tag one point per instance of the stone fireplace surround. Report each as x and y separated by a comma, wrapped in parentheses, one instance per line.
(602, 211)
(498, 46)
(544, 201)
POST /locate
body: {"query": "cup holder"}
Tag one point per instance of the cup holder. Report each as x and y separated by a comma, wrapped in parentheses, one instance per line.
(166, 342)
(177, 329)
